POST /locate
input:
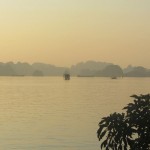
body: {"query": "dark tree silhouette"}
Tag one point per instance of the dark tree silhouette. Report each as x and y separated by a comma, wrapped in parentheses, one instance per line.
(130, 130)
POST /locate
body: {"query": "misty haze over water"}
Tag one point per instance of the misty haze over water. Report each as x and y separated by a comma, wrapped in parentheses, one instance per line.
(88, 68)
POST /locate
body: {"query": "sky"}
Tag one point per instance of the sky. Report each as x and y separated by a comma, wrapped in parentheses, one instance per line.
(65, 32)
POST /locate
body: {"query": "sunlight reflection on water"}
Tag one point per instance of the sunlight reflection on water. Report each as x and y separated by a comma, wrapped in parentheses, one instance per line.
(46, 113)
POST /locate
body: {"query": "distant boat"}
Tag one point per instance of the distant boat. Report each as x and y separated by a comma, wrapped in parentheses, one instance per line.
(85, 76)
(67, 76)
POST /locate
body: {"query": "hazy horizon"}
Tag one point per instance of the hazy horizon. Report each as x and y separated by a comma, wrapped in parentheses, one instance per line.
(15, 62)
(64, 32)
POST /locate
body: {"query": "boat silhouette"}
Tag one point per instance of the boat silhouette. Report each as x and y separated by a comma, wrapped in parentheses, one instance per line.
(67, 76)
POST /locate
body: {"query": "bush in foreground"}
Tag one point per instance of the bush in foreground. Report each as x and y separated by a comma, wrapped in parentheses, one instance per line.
(130, 130)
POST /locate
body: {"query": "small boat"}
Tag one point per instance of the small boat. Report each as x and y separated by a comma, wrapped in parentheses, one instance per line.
(67, 76)
(85, 76)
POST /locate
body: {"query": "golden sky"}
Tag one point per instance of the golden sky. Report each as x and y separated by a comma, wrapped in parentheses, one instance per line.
(64, 32)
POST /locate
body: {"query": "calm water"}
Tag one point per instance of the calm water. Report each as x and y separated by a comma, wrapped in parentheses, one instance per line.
(49, 113)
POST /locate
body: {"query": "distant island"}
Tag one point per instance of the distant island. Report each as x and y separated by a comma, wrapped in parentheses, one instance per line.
(82, 69)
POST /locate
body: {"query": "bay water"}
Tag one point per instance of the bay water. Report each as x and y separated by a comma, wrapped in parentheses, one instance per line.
(50, 113)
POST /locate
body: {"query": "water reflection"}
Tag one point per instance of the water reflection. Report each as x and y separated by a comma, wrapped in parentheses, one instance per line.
(48, 113)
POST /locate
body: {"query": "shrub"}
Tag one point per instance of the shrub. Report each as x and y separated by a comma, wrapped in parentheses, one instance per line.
(130, 130)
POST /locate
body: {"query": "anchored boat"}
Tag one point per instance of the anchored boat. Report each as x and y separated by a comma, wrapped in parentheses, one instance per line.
(67, 76)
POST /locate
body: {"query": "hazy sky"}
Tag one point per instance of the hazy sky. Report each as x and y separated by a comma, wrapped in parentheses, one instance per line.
(64, 32)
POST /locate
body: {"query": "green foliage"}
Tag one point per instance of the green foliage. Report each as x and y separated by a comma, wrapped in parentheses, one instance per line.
(130, 130)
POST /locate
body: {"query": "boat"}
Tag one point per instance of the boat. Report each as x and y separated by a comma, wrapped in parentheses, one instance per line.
(85, 76)
(67, 76)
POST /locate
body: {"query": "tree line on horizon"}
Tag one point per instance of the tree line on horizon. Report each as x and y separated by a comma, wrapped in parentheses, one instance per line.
(89, 68)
